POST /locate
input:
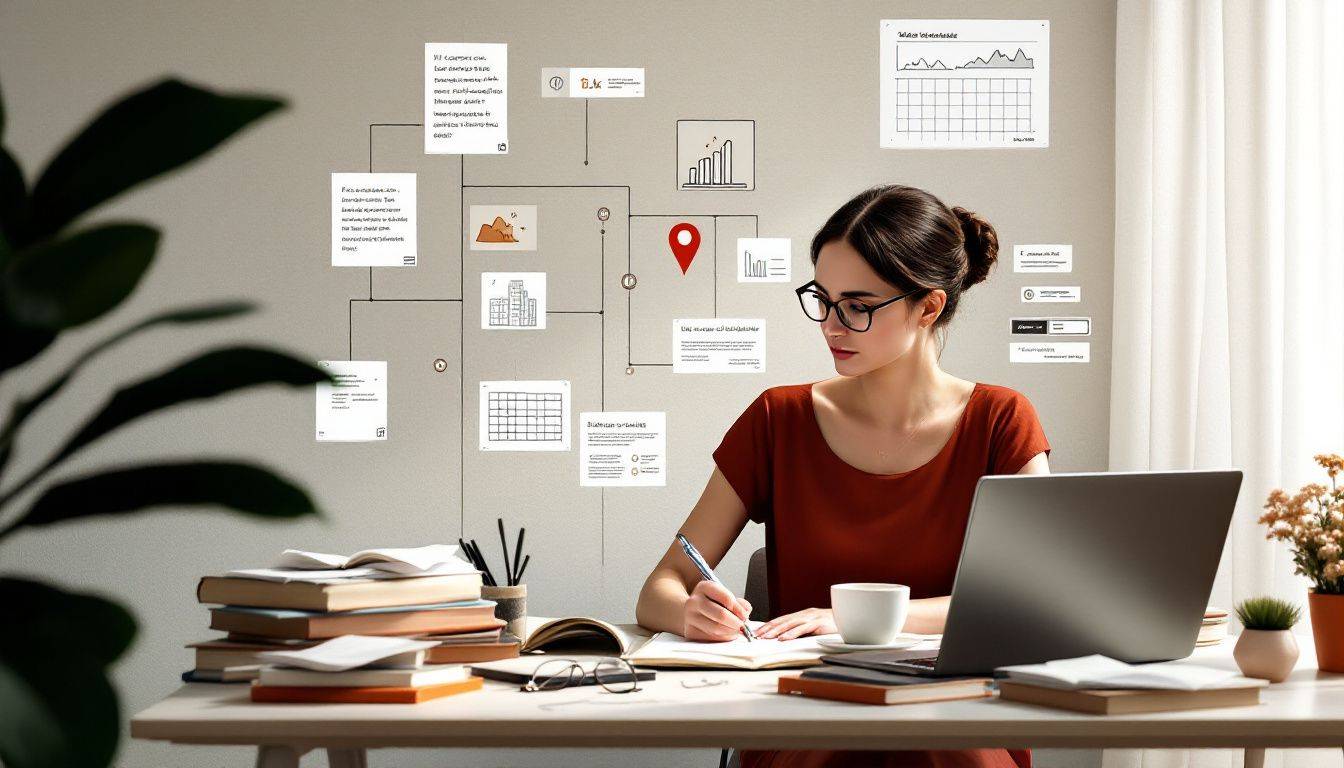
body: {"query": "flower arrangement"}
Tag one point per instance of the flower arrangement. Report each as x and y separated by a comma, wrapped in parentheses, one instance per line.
(1312, 520)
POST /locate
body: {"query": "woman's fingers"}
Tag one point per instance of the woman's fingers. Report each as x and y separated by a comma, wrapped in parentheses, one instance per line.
(720, 615)
(712, 630)
(783, 624)
(799, 630)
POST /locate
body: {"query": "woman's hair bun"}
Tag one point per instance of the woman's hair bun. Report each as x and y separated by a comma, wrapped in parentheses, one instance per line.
(982, 246)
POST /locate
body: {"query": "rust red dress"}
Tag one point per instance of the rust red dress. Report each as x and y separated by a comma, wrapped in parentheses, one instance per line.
(829, 522)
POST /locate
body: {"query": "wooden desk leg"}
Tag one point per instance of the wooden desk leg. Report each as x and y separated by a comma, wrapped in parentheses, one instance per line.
(1253, 758)
(278, 756)
(347, 758)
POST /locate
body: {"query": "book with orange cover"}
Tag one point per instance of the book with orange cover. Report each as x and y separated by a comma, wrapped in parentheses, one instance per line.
(867, 693)
(329, 695)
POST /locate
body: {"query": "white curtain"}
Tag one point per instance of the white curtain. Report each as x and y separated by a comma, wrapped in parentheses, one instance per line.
(1229, 269)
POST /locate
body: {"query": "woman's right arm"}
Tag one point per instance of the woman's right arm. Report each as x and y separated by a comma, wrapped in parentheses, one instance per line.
(675, 598)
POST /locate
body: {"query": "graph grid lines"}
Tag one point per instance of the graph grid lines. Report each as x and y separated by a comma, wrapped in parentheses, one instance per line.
(526, 416)
(958, 106)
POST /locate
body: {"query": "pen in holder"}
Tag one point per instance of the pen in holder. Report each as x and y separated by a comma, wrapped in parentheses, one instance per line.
(510, 598)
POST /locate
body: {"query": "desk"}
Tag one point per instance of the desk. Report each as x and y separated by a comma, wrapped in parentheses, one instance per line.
(1307, 710)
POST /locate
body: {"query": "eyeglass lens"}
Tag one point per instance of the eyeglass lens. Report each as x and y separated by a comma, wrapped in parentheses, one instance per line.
(616, 675)
(853, 313)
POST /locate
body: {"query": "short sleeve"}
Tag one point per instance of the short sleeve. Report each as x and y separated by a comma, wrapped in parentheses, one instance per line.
(1017, 435)
(743, 456)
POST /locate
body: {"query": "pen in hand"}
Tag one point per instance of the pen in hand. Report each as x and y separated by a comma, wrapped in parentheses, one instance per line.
(705, 571)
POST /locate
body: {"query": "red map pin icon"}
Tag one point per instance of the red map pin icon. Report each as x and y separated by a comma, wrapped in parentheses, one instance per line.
(685, 241)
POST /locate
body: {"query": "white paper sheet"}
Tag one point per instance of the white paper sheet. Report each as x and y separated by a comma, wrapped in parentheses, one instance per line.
(623, 448)
(353, 408)
(352, 651)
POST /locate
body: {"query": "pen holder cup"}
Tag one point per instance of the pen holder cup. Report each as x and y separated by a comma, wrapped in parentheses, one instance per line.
(510, 606)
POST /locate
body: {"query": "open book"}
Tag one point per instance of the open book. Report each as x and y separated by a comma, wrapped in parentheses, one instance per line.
(666, 649)
(299, 565)
(582, 632)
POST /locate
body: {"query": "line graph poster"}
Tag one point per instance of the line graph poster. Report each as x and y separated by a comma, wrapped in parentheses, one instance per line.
(964, 83)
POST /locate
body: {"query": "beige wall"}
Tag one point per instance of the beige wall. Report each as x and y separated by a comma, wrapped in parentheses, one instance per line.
(253, 221)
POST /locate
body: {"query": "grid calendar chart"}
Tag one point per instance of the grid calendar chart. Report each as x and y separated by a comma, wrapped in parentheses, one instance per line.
(525, 415)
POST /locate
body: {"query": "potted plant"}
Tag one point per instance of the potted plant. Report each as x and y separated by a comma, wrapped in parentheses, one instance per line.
(1313, 521)
(1266, 647)
(60, 272)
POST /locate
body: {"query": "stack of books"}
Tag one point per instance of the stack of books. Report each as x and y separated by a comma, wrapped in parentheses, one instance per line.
(1214, 628)
(1104, 686)
(308, 597)
(359, 669)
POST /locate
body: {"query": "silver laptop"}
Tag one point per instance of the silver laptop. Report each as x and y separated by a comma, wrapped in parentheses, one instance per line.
(1058, 566)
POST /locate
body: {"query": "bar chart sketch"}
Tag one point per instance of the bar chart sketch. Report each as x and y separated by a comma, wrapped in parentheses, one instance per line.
(965, 83)
(524, 415)
(764, 259)
(716, 154)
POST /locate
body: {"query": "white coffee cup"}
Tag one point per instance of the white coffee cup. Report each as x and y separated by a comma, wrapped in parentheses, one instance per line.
(869, 613)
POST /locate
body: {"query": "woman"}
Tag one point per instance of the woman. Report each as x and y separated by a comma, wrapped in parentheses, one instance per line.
(867, 476)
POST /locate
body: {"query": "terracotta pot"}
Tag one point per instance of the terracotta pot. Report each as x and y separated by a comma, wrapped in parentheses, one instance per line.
(1327, 629)
(1268, 654)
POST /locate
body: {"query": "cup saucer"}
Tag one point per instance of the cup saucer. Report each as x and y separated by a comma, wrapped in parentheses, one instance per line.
(900, 642)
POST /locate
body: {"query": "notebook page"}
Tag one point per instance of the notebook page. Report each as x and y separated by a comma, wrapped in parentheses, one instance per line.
(667, 644)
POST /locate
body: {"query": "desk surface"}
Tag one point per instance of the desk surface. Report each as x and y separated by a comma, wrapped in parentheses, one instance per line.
(1307, 710)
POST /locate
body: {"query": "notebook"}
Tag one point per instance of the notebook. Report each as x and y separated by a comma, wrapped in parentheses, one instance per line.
(581, 632)
(666, 649)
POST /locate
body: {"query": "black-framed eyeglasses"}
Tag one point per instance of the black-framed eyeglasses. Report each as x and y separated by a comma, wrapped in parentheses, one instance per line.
(614, 674)
(854, 314)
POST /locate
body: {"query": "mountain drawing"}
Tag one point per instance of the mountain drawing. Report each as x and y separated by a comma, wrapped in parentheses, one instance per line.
(497, 231)
(1020, 60)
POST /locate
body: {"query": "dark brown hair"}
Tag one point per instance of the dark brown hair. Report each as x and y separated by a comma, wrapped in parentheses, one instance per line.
(913, 241)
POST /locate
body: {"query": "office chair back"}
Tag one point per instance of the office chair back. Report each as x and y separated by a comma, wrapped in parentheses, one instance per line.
(757, 590)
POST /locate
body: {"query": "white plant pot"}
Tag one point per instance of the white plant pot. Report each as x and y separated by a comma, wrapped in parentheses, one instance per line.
(1266, 654)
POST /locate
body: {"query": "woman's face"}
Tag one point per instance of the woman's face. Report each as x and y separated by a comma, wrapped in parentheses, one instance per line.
(841, 273)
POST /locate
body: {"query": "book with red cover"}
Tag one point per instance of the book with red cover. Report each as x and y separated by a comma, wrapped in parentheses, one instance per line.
(323, 695)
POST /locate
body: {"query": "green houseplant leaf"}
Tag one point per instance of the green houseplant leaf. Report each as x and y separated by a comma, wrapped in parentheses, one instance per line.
(238, 486)
(211, 374)
(54, 655)
(24, 408)
(63, 283)
(146, 134)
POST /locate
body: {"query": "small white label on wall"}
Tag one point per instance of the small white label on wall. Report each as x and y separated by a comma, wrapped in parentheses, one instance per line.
(1045, 294)
(764, 259)
(1049, 352)
(592, 82)
(1051, 326)
(1043, 258)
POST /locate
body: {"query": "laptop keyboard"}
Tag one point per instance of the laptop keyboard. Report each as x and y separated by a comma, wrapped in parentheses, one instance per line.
(928, 662)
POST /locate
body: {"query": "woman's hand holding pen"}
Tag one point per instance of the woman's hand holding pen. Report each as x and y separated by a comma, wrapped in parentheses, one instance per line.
(809, 621)
(712, 614)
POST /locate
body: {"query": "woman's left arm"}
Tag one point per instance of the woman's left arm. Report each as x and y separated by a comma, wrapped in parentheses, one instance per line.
(927, 615)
